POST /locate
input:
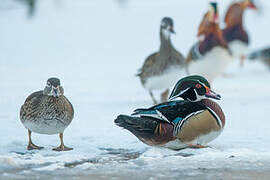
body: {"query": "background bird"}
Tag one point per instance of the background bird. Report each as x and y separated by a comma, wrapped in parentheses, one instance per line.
(210, 56)
(162, 69)
(263, 55)
(234, 32)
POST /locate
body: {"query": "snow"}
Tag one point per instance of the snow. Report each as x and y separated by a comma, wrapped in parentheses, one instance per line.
(95, 48)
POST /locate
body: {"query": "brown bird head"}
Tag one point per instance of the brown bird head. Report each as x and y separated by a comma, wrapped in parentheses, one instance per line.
(234, 15)
(210, 22)
(209, 33)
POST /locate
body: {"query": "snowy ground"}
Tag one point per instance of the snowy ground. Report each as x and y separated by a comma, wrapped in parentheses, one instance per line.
(95, 48)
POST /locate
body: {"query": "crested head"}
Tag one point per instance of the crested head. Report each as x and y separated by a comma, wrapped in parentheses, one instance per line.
(249, 4)
(53, 87)
(210, 22)
(54, 81)
(234, 15)
(193, 88)
(167, 27)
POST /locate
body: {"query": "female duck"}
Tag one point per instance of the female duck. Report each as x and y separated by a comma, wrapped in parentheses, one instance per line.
(162, 69)
(192, 122)
(47, 112)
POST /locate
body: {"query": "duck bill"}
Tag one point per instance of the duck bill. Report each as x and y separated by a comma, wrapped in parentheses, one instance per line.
(211, 94)
(172, 31)
(252, 6)
(55, 92)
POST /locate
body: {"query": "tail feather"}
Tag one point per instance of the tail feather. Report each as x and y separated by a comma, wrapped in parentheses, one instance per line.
(132, 124)
(148, 130)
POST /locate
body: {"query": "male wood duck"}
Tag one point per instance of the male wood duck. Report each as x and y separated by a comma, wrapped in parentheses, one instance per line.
(210, 56)
(263, 55)
(161, 70)
(192, 122)
(234, 32)
(47, 112)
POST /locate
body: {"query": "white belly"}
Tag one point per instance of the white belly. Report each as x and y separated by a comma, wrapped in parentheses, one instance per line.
(46, 126)
(205, 139)
(164, 81)
(176, 144)
(212, 64)
(202, 140)
(238, 48)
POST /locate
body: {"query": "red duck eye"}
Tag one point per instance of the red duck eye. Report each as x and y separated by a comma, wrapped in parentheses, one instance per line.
(198, 86)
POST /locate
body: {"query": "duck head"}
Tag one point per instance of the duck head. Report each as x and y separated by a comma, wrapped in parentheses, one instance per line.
(53, 88)
(249, 4)
(166, 27)
(193, 88)
(209, 33)
(234, 15)
(210, 22)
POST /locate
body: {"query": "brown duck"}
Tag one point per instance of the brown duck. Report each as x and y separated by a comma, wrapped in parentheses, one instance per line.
(210, 56)
(47, 112)
(162, 69)
(234, 32)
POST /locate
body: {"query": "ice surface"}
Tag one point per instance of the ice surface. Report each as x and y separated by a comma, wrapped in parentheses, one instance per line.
(95, 48)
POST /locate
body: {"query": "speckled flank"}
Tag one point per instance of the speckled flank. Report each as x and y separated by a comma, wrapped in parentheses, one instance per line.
(46, 114)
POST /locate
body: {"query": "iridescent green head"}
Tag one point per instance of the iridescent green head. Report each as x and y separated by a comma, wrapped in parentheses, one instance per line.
(193, 88)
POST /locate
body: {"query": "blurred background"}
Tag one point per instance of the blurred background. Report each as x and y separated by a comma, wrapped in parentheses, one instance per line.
(96, 47)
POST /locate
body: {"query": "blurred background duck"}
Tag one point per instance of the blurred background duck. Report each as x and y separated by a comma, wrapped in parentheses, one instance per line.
(162, 69)
(210, 56)
(234, 32)
(263, 55)
(47, 112)
(192, 122)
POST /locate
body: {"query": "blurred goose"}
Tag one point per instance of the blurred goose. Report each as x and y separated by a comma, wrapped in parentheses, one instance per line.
(234, 32)
(162, 69)
(210, 55)
(47, 112)
(263, 55)
(192, 122)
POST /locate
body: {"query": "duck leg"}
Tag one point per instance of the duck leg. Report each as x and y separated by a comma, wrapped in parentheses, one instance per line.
(164, 95)
(242, 60)
(31, 145)
(152, 97)
(62, 147)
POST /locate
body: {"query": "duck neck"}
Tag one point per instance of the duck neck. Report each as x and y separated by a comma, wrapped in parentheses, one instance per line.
(165, 40)
(216, 110)
(212, 40)
(234, 16)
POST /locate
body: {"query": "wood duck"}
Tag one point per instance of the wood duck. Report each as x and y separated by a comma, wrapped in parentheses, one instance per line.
(210, 56)
(176, 124)
(47, 112)
(161, 70)
(263, 55)
(234, 32)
